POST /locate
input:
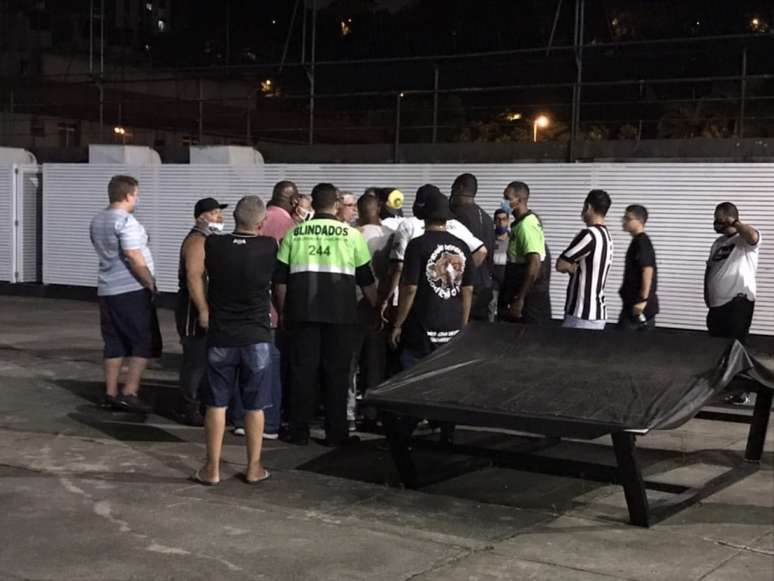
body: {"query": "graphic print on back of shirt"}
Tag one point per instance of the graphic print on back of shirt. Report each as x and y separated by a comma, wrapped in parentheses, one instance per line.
(723, 252)
(444, 270)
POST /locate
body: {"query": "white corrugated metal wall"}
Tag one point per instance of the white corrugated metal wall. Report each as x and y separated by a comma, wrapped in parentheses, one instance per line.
(73, 193)
(7, 231)
(680, 198)
(28, 207)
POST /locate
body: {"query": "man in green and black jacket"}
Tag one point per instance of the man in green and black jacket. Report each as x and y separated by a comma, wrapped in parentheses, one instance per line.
(318, 266)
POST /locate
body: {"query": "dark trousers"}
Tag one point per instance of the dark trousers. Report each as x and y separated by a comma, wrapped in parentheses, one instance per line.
(369, 360)
(319, 352)
(536, 311)
(193, 372)
(731, 320)
(479, 308)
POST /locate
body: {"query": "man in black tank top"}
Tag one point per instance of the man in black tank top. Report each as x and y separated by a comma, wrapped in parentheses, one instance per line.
(240, 267)
(192, 307)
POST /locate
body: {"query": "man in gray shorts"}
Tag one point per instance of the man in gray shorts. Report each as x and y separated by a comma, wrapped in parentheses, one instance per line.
(126, 287)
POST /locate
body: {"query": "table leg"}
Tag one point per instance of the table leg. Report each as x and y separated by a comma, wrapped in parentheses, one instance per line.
(759, 425)
(631, 478)
(399, 440)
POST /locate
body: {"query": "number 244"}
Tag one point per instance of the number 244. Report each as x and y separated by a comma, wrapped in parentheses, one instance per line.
(315, 250)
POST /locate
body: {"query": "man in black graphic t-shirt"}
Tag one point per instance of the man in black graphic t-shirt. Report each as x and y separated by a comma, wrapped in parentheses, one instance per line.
(436, 287)
(638, 290)
(240, 268)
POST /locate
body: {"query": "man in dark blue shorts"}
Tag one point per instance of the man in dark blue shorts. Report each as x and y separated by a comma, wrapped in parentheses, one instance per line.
(126, 286)
(240, 268)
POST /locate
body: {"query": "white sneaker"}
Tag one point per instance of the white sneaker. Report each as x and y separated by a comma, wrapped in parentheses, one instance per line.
(238, 431)
(271, 436)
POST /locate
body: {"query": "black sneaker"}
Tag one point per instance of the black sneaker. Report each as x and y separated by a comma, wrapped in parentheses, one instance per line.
(132, 403)
(191, 417)
(740, 398)
(295, 438)
(347, 441)
(109, 402)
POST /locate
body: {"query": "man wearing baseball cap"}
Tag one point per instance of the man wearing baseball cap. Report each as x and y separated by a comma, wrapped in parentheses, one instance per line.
(436, 288)
(191, 312)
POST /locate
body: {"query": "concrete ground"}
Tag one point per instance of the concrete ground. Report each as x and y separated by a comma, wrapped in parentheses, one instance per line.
(87, 494)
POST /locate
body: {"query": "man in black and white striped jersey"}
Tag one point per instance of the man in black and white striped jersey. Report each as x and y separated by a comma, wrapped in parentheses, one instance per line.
(587, 260)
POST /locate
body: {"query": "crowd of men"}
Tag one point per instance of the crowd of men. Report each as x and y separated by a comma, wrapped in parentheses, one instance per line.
(312, 300)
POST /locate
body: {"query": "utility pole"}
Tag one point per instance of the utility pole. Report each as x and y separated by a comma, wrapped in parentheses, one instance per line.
(396, 145)
(201, 111)
(576, 90)
(91, 36)
(310, 72)
(436, 76)
(743, 93)
(228, 32)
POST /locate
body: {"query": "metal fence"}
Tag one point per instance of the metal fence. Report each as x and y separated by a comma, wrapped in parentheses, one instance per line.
(586, 91)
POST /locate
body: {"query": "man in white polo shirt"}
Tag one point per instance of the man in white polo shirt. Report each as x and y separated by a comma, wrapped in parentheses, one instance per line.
(729, 280)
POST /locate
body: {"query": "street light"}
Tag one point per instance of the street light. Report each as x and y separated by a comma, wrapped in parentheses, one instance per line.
(540, 121)
(120, 132)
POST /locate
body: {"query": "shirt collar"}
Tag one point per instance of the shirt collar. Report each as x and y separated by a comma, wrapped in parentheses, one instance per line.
(324, 216)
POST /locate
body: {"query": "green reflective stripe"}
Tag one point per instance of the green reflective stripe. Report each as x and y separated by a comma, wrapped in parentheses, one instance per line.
(332, 268)
(324, 245)
(283, 254)
(362, 254)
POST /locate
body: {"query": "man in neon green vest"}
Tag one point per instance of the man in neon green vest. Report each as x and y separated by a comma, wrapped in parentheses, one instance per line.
(319, 264)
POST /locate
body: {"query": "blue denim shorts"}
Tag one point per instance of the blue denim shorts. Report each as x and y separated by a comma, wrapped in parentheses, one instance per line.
(247, 369)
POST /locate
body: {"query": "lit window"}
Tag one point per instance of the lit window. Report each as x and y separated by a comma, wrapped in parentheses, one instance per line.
(346, 27)
(149, 7)
(267, 86)
(162, 26)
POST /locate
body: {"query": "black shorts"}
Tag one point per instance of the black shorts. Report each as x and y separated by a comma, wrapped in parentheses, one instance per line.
(130, 326)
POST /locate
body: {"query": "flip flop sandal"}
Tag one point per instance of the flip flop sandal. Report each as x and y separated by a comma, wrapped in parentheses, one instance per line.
(257, 480)
(196, 477)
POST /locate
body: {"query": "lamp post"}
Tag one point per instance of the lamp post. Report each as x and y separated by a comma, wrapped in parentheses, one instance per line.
(540, 121)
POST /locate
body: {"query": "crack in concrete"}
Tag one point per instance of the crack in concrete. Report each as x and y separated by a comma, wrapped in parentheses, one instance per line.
(452, 560)
(747, 548)
(104, 509)
(579, 570)
(740, 549)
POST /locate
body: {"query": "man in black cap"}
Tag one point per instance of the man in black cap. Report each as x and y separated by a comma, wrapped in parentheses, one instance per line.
(463, 204)
(192, 314)
(436, 289)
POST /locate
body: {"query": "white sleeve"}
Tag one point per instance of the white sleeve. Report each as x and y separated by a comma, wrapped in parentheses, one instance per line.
(131, 234)
(458, 229)
(400, 240)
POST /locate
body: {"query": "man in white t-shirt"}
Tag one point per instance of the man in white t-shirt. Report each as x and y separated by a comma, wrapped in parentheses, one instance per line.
(411, 228)
(370, 345)
(729, 280)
